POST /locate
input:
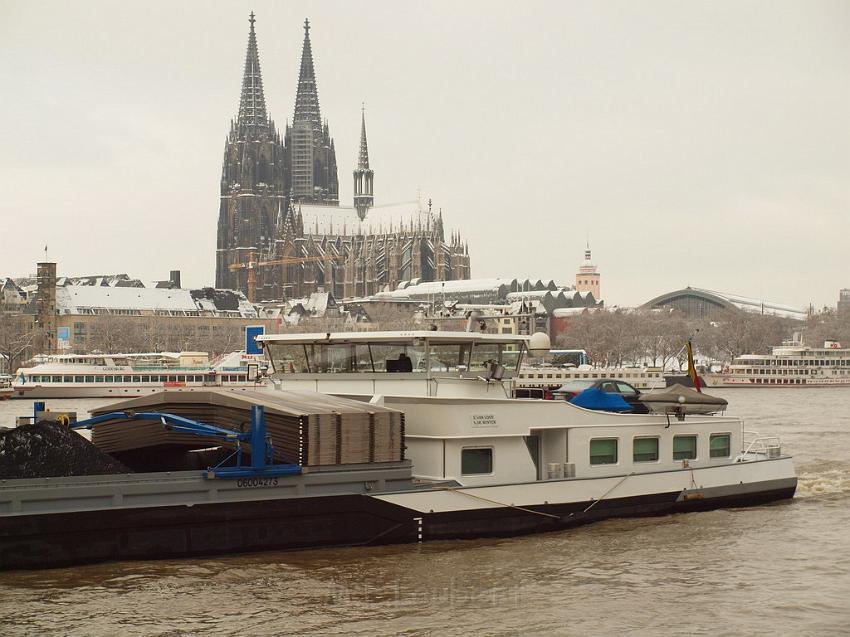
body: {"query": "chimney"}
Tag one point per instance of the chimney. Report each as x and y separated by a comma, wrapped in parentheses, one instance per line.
(174, 279)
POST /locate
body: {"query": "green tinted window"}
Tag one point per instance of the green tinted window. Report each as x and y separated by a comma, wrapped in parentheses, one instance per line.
(645, 450)
(476, 461)
(684, 447)
(603, 451)
(720, 445)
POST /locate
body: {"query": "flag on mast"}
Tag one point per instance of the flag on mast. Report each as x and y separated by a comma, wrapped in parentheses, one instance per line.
(692, 370)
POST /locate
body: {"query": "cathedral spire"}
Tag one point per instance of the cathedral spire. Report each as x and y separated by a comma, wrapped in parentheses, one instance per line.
(363, 162)
(363, 176)
(307, 95)
(252, 103)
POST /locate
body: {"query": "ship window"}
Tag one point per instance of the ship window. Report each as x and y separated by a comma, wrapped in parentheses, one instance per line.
(483, 354)
(288, 358)
(720, 445)
(98, 379)
(57, 379)
(67, 379)
(476, 461)
(78, 379)
(451, 358)
(684, 447)
(645, 450)
(89, 379)
(603, 451)
(108, 379)
(181, 378)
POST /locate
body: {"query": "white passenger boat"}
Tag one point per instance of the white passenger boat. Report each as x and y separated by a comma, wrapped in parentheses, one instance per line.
(790, 365)
(475, 461)
(537, 381)
(128, 375)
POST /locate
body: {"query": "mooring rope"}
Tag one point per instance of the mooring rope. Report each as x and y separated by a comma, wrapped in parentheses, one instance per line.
(512, 506)
(605, 495)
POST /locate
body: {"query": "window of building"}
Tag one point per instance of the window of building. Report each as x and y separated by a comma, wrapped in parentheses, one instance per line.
(476, 461)
(720, 445)
(684, 447)
(603, 451)
(645, 450)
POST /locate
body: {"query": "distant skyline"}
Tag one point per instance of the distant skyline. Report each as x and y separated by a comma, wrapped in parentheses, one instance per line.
(699, 143)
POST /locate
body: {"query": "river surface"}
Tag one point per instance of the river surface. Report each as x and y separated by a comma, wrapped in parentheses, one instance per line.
(782, 569)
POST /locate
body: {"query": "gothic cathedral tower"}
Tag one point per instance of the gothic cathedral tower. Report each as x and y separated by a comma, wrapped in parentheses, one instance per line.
(252, 179)
(363, 175)
(311, 157)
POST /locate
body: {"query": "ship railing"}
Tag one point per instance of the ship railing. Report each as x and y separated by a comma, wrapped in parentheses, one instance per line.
(758, 445)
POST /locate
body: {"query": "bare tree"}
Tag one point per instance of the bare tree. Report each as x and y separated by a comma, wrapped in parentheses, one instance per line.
(17, 334)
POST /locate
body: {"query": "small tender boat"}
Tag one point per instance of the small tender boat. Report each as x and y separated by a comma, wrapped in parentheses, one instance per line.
(679, 399)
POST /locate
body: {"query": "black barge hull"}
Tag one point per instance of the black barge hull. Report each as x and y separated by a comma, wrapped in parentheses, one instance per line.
(167, 532)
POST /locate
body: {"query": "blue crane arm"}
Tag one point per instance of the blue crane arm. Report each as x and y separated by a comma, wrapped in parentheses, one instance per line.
(261, 465)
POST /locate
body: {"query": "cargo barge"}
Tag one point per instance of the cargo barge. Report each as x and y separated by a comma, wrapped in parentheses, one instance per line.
(381, 437)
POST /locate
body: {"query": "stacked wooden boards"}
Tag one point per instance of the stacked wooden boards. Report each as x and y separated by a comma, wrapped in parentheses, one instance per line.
(306, 428)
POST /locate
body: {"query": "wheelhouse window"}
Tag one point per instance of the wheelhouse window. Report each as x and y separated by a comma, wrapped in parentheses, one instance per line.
(645, 450)
(450, 358)
(684, 447)
(720, 445)
(603, 451)
(476, 461)
(484, 355)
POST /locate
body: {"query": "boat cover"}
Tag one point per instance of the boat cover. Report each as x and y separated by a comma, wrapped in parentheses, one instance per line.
(691, 397)
(682, 400)
(598, 400)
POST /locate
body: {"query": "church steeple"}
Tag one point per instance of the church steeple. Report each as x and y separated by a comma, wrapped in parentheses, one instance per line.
(252, 103)
(252, 177)
(307, 95)
(363, 161)
(310, 147)
(363, 175)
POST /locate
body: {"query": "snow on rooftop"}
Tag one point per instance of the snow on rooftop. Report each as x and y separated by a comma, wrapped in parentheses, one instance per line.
(758, 305)
(74, 299)
(342, 220)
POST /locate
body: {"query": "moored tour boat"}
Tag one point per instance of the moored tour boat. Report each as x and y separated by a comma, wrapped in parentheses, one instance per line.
(128, 375)
(789, 365)
(376, 438)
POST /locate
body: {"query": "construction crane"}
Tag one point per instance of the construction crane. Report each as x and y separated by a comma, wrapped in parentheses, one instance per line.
(253, 264)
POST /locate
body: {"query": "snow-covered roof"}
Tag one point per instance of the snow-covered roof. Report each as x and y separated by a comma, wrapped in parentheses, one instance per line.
(435, 288)
(82, 299)
(344, 220)
(758, 305)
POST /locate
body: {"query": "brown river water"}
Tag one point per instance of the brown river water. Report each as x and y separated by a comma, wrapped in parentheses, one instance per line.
(782, 569)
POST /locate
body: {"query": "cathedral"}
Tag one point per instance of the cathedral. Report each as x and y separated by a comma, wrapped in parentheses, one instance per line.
(282, 232)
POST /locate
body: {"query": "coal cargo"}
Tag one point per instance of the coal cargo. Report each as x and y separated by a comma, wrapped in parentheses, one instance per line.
(48, 450)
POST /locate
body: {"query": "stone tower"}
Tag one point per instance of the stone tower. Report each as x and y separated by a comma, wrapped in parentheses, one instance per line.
(587, 277)
(252, 179)
(363, 175)
(311, 157)
(45, 309)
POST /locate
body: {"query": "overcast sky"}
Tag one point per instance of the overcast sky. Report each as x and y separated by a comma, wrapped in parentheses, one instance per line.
(694, 143)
